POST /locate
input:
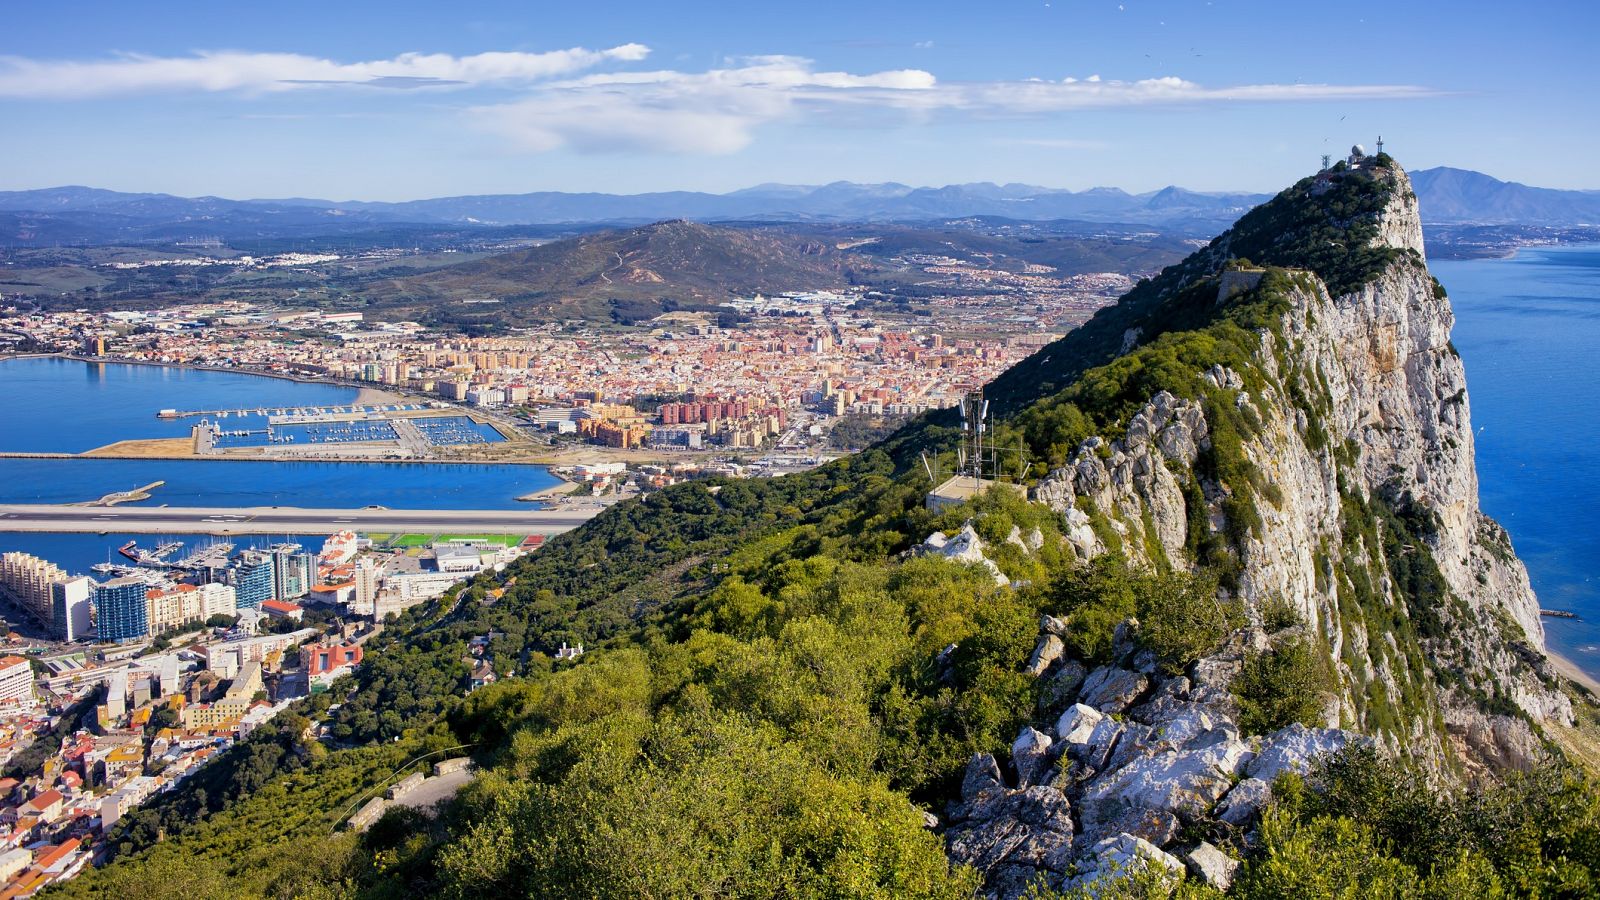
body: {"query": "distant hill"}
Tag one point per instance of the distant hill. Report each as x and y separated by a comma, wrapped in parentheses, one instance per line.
(627, 273)
(1461, 196)
(87, 216)
(80, 215)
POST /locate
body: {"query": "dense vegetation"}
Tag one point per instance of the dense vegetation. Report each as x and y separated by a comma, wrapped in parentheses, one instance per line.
(776, 688)
(1327, 236)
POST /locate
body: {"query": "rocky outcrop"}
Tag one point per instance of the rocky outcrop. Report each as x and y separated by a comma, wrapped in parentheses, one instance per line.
(1334, 466)
(1126, 478)
(1359, 434)
(965, 547)
(1106, 789)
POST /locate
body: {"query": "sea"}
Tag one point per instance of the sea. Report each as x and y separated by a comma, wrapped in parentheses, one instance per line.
(57, 405)
(1528, 329)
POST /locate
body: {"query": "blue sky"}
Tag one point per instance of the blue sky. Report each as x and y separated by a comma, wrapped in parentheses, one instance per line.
(397, 100)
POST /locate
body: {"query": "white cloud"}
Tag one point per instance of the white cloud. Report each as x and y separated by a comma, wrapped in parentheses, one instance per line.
(711, 112)
(719, 111)
(580, 98)
(237, 71)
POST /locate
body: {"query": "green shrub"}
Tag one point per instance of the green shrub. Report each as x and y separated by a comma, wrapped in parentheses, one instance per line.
(1281, 686)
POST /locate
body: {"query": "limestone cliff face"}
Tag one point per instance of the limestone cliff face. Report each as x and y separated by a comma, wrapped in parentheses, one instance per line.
(1367, 500)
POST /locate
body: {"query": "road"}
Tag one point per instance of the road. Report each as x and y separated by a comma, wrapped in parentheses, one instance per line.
(290, 520)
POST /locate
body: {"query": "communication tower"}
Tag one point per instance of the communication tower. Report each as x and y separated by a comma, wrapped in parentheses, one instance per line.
(974, 428)
(1327, 161)
(1380, 144)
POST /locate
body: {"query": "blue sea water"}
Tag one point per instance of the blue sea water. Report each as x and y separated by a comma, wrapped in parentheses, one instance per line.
(55, 405)
(1528, 329)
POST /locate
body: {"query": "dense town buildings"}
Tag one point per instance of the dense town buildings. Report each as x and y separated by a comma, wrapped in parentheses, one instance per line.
(683, 381)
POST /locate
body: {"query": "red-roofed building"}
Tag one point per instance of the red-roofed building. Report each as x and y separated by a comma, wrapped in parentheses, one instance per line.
(324, 660)
(46, 805)
(57, 858)
(280, 609)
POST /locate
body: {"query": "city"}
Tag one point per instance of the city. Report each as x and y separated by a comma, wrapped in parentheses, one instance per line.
(152, 671)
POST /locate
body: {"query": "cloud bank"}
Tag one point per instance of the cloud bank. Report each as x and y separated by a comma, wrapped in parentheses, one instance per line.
(216, 71)
(593, 101)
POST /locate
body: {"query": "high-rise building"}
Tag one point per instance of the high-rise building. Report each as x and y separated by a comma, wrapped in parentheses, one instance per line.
(294, 571)
(218, 599)
(253, 580)
(121, 610)
(16, 681)
(71, 608)
(26, 580)
(369, 574)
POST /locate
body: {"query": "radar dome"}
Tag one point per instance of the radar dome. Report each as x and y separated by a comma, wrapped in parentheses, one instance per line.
(1358, 150)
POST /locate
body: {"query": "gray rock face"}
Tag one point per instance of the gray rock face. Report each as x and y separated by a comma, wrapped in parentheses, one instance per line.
(1212, 866)
(1294, 749)
(1360, 400)
(1244, 801)
(1110, 689)
(1030, 756)
(1045, 653)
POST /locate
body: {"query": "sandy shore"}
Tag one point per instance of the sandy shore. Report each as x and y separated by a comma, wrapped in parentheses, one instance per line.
(376, 397)
(1572, 673)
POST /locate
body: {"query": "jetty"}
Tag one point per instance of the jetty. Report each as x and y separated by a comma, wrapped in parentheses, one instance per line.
(133, 496)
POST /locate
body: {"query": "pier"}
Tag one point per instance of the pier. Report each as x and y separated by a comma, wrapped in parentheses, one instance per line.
(310, 413)
(133, 496)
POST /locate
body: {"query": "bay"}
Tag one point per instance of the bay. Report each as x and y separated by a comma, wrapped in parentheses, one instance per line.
(67, 406)
(1528, 328)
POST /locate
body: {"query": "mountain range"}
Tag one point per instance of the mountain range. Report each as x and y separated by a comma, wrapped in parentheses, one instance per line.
(83, 214)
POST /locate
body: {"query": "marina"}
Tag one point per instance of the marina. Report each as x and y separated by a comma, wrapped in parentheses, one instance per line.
(307, 413)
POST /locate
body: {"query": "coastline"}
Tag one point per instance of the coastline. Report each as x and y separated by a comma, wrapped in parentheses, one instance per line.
(1572, 672)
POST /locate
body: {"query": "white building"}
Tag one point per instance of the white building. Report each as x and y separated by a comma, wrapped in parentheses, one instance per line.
(369, 578)
(26, 579)
(72, 608)
(16, 681)
(338, 548)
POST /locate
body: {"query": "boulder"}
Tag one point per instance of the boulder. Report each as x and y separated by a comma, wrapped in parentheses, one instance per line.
(1053, 625)
(1021, 836)
(1293, 749)
(1212, 865)
(1030, 756)
(1045, 653)
(1119, 856)
(1184, 782)
(1102, 740)
(982, 779)
(1077, 724)
(1123, 640)
(1241, 804)
(1062, 686)
(1111, 689)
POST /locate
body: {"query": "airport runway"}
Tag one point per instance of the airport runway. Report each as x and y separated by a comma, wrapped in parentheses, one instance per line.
(289, 520)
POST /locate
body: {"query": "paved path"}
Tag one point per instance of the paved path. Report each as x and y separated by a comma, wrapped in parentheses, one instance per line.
(436, 788)
(288, 520)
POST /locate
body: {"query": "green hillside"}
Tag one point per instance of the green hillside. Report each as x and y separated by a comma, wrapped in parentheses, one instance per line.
(777, 692)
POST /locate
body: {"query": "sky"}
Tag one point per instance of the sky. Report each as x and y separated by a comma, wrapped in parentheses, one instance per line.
(399, 100)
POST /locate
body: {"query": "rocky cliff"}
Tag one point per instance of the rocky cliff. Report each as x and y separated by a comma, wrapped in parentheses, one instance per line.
(1364, 506)
(1304, 430)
